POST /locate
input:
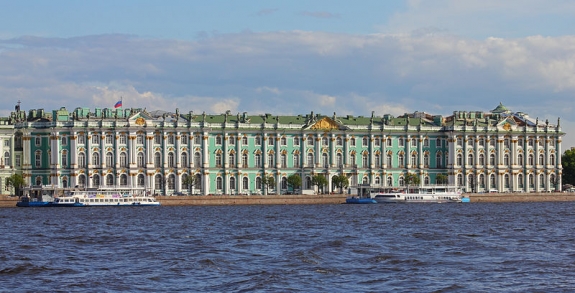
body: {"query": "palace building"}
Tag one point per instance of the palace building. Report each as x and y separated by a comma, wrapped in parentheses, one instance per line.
(231, 154)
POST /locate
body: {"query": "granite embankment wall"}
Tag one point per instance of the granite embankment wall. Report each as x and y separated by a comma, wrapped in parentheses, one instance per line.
(6, 201)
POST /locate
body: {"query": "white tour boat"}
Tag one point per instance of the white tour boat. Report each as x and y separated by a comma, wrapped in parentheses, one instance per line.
(105, 197)
(419, 194)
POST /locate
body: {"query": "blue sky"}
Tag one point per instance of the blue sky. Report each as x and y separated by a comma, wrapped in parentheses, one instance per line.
(292, 57)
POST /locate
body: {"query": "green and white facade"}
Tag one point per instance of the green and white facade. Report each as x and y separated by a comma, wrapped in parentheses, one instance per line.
(229, 154)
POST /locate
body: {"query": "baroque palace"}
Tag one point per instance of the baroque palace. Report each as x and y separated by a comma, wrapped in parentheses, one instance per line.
(230, 154)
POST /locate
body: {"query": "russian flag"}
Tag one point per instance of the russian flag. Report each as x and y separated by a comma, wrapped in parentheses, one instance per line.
(118, 104)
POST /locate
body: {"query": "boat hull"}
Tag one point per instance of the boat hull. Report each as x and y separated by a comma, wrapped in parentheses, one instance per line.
(356, 200)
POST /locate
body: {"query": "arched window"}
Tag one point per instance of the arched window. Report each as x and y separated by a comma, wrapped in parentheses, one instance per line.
(109, 180)
(218, 160)
(258, 160)
(492, 183)
(401, 162)
(481, 159)
(310, 160)
(158, 182)
(364, 161)
(506, 180)
(82, 160)
(413, 159)
(426, 180)
(324, 160)
(530, 160)
(401, 181)
(389, 161)
(492, 159)
(245, 183)
(157, 160)
(219, 183)
(506, 159)
(123, 160)
(96, 180)
(141, 180)
(271, 160)
(82, 180)
(541, 181)
(520, 159)
(7, 159)
(470, 159)
(258, 183)
(552, 159)
(389, 181)
(365, 141)
(96, 159)
(109, 159)
(541, 159)
(481, 180)
(283, 158)
(171, 163)
(520, 180)
(197, 160)
(284, 183)
(459, 179)
(232, 160)
(141, 160)
(172, 181)
(123, 180)
(459, 159)
(377, 180)
(365, 180)
(244, 160)
(338, 141)
(232, 183)
(377, 161)
(438, 161)
(426, 160)
(339, 158)
(184, 159)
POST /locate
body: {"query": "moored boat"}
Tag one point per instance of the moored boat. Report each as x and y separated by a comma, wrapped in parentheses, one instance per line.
(49, 196)
(420, 194)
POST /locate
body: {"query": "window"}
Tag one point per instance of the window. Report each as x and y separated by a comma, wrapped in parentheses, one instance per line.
(401, 161)
(310, 141)
(506, 142)
(324, 141)
(506, 159)
(123, 138)
(258, 140)
(141, 160)
(184, 139)
(232, 183)
(157, 138)
(96, 159)
(7, 159)
(245, 161)
(481, 159)
(109, 159)
(377, 161)
(258, 160)
(245, 140)
(365, 141)
(400, 142)
(530, 160)
(459, 179)
(459, 159)
(492, 181)
(198, 139)
(413, 159)
(283, 141)
(109, 138)
(552, 159)
(96, 180)
(426, 142)
(157, 160)
(296, 160)
(270, 160)
(171, 160)
(400, 181)
(377, 142)
(388, 141)
(95, 138)
(232, 160)
(352, 160)
(123, 160)
(310, 160)
(520, 183)
(171, 181)
(283, 161)
(18, 161)
(184, 159)
(481, 142)
(541, 159)
(141, 181)
(197, 160)
(109, 180)
(364, 161)
(339, 141)
(37, 141)
(388, 159)
(459, 141)
(245, 183)
(81, 139)
(271, 140)
(339, 159)
(438, 161)
(171, 138)
(296, 141)
(352, 141)
(470, 159)
(492, 159)
(218, 160)
(63, 141)
(219, 183)
(219, 140)
(123, 180)
(426, 160)
(259, 183)
(520, 159)
(413, 142)
(140, 139)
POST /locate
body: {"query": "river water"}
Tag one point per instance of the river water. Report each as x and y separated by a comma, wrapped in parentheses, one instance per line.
(475, 247)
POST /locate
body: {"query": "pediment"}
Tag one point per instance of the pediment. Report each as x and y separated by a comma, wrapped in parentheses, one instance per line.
(325, 123)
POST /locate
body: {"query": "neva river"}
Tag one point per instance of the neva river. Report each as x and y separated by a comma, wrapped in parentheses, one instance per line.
(476, 247)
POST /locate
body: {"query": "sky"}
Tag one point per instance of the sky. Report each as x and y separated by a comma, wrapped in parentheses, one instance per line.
(292, 57)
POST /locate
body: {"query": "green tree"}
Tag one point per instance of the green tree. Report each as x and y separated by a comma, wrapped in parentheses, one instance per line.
(340, 181)
(190, 181)
(267, 181)
(441, 179)
(568, 162)
(319, 181)
(294, 181)
(16, 181)
(412, 179)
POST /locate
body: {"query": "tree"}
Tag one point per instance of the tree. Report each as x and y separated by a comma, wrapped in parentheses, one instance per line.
(412, 179)
(16, 181)
(190, 181)
(294, 181)
(340, 181)
(267, 181)
(319, 181)
(441, 179)
(568, 162)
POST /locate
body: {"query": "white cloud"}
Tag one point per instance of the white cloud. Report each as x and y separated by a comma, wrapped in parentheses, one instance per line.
(293, 73)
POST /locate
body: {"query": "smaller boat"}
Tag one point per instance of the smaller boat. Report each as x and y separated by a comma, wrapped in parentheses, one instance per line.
(420, 194)
(38, 196)
(363, 196)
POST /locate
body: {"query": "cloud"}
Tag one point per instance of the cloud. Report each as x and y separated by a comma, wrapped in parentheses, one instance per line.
(293, 72)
